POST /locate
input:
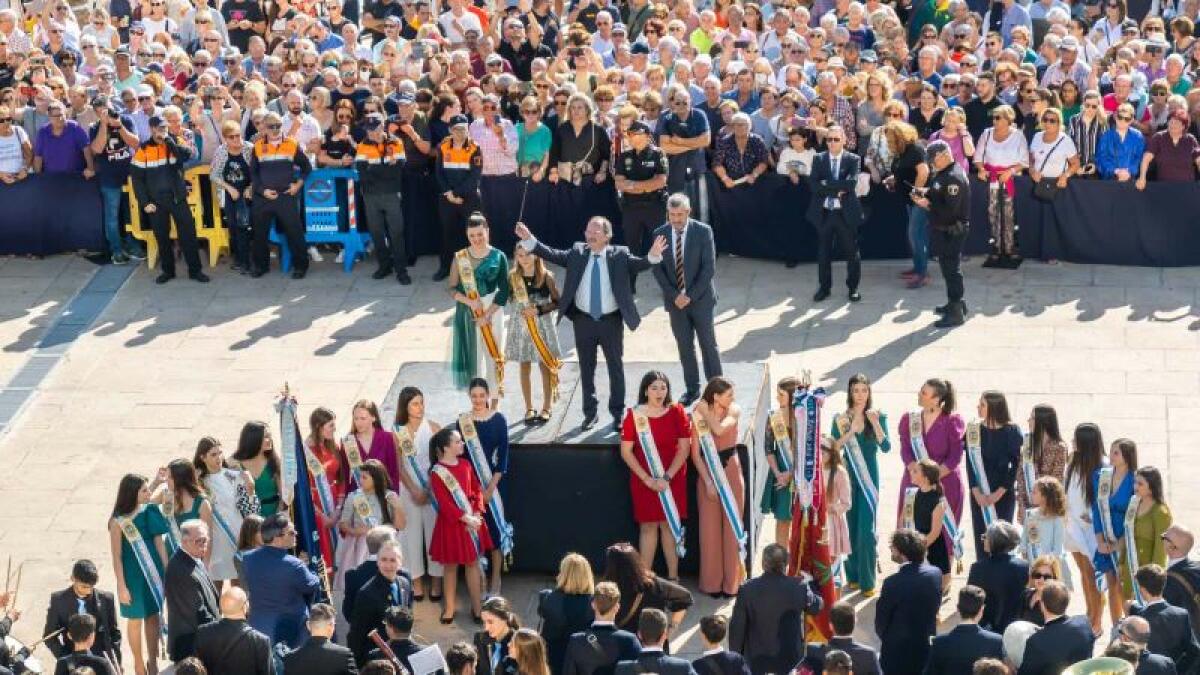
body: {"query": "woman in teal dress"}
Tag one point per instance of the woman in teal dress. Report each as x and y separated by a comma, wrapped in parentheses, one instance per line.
(470, 357)
(256, 454)
(777, 491)
(182, 498)
(869, 427)
(140, 605)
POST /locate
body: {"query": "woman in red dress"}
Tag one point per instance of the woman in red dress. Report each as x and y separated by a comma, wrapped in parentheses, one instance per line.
(453, 546)
(672, 433)
(322, 440)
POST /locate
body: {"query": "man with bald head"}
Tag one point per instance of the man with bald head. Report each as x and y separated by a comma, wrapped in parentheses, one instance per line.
(1183, 573)
(1135, 631)
(231, 645)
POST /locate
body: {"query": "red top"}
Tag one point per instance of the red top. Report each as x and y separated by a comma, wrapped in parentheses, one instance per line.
(452, 543)
(666, 430)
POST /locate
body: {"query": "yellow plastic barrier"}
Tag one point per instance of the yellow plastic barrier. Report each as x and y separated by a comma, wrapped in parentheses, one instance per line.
(214, 232)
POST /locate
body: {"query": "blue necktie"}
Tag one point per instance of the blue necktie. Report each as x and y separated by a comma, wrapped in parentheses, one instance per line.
(496, 655)
(395, 593)
(596, 309)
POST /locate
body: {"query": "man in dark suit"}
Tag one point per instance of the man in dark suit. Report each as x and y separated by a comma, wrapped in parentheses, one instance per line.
(1171, 630)
(399, 624)
(1063, 640)
(190, 594)
(685, 276)
(957, 651)
(864, 658)
(717, 661)
(1134, 632)
(81, 629)
(231, 645)
(596, 296)
(836, 212)
(320, 656)
(369, 568)
(1001, 575)
(906, 614)
(767, 627)
(83, 598)
(387, 589)
(282, 585)
(652, 630)
(597, 650)
(1183, 573)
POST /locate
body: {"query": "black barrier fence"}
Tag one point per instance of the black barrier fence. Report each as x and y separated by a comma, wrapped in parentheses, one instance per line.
(1090, 222)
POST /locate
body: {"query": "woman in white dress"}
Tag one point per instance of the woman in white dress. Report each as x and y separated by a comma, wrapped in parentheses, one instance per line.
(417, 534)
(1087, 456)
(231, 493)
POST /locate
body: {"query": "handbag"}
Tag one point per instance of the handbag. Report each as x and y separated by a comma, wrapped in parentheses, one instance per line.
(1047, 189)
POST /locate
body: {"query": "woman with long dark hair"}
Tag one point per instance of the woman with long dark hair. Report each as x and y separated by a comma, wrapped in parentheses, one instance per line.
(720, 558)
(864, 426)
(941, 439)
(460, 537)
(641, 588)
(500, 625)
(1153, 517)
(1047, 453)
(479, 286)
(139, 554)
(492, 430)
(1000, 450)
(1114, 491)
(541, 300)
(231, 494)
(182, 498)
(372, 504)
(256, 455)
(777, 492)
(414, 431)
(1086, 459)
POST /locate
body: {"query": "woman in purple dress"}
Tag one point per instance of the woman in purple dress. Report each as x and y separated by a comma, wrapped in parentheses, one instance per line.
(943, 436)
(374, 442)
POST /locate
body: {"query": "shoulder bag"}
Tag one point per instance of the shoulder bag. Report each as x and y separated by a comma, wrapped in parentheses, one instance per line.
(1047, 189)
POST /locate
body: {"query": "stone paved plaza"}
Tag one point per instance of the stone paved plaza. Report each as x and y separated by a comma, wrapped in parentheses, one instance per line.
(164, 365)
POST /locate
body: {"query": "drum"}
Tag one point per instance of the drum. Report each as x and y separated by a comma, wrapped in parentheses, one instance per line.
(19, 659)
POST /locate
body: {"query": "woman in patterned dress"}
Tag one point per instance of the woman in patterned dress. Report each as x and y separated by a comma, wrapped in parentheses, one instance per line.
(519, 347)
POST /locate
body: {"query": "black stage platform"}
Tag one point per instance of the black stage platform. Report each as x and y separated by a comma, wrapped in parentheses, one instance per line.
(568, 490)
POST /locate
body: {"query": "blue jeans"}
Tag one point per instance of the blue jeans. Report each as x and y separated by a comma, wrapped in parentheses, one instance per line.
(918, 238)
(118, 241)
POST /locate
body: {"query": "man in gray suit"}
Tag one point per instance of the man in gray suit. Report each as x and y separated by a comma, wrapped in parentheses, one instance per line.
(685, 276)
(652, 630)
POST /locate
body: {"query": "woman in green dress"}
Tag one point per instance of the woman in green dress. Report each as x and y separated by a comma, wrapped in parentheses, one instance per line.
(869, 427)
(140, 604)
(182, 498)
(477, 315)
(1153, 518)
(777, 492)
(256, 454)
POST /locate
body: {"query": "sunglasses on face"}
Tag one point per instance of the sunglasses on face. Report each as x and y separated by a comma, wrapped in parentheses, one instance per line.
(893, 116)
(1125, 118)
(1049, 120)
(1041, 576)
(6, 120)
(1091, 106)
(274, 127)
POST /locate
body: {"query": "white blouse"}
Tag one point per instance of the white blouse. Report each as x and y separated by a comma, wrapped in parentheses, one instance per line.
(1009, 152)
(1053, 155)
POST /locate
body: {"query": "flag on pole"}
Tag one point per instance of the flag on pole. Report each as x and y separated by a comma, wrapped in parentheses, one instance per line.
(304, 513)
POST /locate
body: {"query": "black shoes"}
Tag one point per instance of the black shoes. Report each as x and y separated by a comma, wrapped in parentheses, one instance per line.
(855, 296)
(688, 398)
(200, 277)
(164, 278)
(943, 308)
(403, 278)
(382, 273)
(299, 273)
(441, 275)
(821, 294)
(589, 421)
(791, 264)
(255, 274)
(616, 425)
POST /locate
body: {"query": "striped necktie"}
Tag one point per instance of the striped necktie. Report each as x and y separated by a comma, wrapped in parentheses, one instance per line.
(679, 260)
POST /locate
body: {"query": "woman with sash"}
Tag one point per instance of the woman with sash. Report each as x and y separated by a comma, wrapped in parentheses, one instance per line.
(860, 434)
(256, 455)
(531, 335)
(1043, 454)
(182, 499)
(722, 495)
(231, 494)
(655, 438)
(460, 538)
(485, 432)
(369, 440)
(413, 432)
(371, 505)
(139, 553)
(479, 285)
(329, 474)
(1114, 491)
(993, 457)
(925, 501)
(1085, 461)
(934, 431)
(780, 447)
(1045, 531)
(1150, 517)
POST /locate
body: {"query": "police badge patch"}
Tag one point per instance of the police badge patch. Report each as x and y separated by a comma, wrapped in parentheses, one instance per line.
(953, 190)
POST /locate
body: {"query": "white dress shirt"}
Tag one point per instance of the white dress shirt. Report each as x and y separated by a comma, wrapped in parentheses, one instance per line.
(583, 295)
(835, 165)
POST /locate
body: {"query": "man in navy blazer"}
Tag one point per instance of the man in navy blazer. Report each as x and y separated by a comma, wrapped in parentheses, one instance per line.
(1183, 573)
(768, 623)
(1134, 633)
(835, 211)
(598, 298)
(283, 587)
(597, 650)
(906, 615)
(1002, 576)
(715, 660)
(1063, 640)
(652, 630)
(685, 276)
(864, 659)
(1171, 630)
(957, 651)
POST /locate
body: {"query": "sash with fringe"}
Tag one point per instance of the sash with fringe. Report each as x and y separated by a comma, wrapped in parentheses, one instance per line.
(407, 451)
(1131, 554)
(1028, 473)
(466, 275)
(354, 456)
(479, 462)
(916, 434)
(145, 561)
(857, 463)
(975, 457)
(708, 451)
(517, 283)
(461, 501)
(641, 426)
(807, 409)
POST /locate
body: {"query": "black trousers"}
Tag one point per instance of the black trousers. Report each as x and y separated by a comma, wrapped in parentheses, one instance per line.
(607, 334)
(284, 210)
(453, 218)
(640, 218)
(694, 323)
(166, 209)
(835, 230)
(385, 220)
(948, 248)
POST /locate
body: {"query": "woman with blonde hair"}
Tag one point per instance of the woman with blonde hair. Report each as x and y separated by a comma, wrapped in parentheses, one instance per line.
(908, 172)
(877, 93)
(567, 608)
(1041, 569)
(954, 133)
(877, 156)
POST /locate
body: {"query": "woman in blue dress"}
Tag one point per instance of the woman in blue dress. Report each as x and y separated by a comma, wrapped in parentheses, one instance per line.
(140, 603)
(492, 428)
(1122, 458)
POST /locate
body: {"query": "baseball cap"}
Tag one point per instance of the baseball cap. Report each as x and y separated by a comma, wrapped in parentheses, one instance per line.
(639, 127)
(639, 48)
(936, 148)
(156, 121)
(835, 62)
(868, 56)
(620, 28)
(1069, 43)
(458, 120)
(405, 99)
(144, 90)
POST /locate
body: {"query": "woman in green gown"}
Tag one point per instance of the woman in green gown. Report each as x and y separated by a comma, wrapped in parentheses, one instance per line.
(777, 492)
(256, 454)
(869, 428)
(141, 605)
(479, 297)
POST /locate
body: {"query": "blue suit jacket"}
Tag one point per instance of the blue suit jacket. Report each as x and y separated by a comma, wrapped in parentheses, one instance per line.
(1003, 579)
(654, 662)
(824, 184)
(906, 617)
(1058, 644)
(282, 588)
(721, 663)
(957, 651)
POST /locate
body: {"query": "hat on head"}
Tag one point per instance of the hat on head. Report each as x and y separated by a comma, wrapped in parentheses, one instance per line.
(137, 27)
(493, 58)
(639, 127)
(406, 99)
(835, 62)
(122, 51)
(156, 121)
(144, 90)
(936, 148)
(1069, 43)
(458, 120)
(868, 56)
(100, 101)
(230, 53)
(639, 48)
(393, 19)
(962, 30)
(620, 28)
(155, 68)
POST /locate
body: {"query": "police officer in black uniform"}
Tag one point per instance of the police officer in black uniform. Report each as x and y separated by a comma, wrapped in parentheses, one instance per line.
(948, 200)
(641, 176)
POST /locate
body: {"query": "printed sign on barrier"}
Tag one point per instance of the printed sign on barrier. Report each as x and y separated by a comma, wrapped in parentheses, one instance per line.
(323, 216)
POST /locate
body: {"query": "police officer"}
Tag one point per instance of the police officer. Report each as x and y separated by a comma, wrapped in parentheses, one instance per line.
(948, 201)
(457, 170)
(641, 176)
(380, 163)
(278, 167)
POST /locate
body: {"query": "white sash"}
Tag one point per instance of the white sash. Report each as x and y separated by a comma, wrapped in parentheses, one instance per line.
(975, 457)
(479, 461)
(1131, 554)
(362, 508)
(173, 537)
(910, 502)
(858, 467)
(712, 461)
(141, 552)
(1028, 473)
(354, 456)
(916, 433)
(783, 441)
(408, 451)
(641, 426)
(461, 501)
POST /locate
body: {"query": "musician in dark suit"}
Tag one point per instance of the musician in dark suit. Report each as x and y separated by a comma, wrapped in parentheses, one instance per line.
(685, 276)
(231, 645)
(767, 627)
(717, 661)
(836, 212)
(957, 651)
(319, 655)
(597, 650)
(83, 598)
(1002, 576)
(399, 624)
(865, 659)
(1135, 633)
(81, 630)
(369, 568)
(1171, 631)
(906, 614)
(1183, 573)
(652, 631)
(190, 594)
(1063, 640)
(387, 589)
(597, 297)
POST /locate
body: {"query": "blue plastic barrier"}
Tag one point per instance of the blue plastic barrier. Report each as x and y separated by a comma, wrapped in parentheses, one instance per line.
(324, 217)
